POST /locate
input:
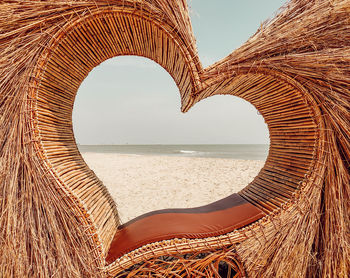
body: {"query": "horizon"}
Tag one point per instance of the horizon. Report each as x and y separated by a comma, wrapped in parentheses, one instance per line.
(126, 144)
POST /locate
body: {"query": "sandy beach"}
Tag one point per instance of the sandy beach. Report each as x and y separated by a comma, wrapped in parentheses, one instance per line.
(142, 183)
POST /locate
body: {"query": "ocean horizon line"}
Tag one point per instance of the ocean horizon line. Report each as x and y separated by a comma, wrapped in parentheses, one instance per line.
(190, 144)
(237, 151)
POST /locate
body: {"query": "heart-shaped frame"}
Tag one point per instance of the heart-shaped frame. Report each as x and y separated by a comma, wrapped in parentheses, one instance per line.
(288, 88)
(293, 129)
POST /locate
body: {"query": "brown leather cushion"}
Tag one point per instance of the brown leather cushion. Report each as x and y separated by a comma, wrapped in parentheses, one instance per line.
(215, 219)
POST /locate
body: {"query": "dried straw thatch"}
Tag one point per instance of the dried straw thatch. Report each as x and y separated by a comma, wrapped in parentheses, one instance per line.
(56, 217)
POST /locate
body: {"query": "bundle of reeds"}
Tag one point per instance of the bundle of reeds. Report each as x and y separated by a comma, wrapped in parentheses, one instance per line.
(57, 218)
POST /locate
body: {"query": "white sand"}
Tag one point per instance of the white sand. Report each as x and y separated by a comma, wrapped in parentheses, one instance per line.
(140, 184)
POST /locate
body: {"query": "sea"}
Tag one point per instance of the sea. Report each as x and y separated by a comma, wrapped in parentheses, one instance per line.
(230, 151)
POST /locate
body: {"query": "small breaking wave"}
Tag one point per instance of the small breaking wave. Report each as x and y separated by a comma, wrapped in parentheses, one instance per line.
(187, 152)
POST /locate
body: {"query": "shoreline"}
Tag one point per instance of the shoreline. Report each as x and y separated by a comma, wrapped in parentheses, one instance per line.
(231, 151)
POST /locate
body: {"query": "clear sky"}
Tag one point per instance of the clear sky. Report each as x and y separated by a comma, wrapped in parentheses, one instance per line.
(133, 100)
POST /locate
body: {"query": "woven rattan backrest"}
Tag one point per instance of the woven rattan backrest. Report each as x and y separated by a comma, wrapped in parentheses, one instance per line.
(294, 125)
(105, 34)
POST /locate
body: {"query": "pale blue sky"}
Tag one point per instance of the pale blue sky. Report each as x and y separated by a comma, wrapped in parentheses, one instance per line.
(133, 100)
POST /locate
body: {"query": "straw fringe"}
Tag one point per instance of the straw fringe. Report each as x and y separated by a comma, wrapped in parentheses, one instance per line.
(57, 219)
(40, 236)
